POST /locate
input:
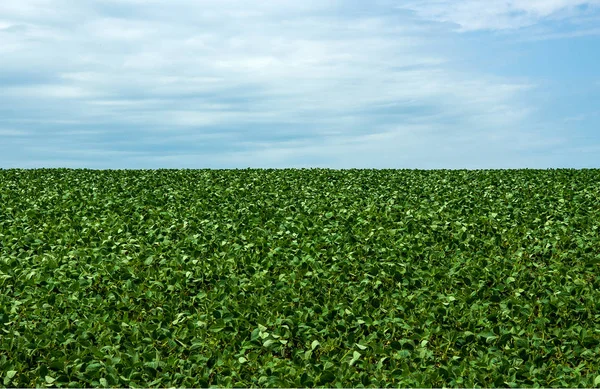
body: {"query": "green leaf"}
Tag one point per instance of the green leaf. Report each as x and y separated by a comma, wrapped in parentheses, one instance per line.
(314, 344)
(10, 374)
(49, 379)
(489, 336)
(152, 364)
(93, 367)
(268, 342)
(355, 357)
(326, 377)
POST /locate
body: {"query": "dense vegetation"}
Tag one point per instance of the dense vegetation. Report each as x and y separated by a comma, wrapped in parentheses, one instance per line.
(295, 278)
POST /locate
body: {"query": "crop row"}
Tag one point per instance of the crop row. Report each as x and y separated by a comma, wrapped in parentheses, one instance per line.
(295, 278)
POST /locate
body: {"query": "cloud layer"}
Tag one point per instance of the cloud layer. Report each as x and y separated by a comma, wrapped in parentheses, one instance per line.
(131, 83)
(470, 15)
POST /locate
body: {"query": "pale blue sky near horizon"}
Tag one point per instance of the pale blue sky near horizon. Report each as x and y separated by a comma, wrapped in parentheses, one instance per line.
(424, 84)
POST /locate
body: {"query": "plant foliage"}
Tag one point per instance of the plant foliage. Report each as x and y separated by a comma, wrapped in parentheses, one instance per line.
(296, 278)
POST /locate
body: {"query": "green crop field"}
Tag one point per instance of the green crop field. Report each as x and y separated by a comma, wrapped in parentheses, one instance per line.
(294, 278)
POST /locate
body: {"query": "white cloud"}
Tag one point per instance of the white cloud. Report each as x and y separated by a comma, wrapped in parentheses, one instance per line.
(281, 66)
(13, 132)
(472, 15)
(279, 80)
(56, 91)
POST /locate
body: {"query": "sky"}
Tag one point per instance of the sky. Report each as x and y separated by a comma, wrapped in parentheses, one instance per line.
(398, 84)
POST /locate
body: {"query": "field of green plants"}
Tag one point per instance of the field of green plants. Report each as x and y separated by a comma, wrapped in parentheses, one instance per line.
(296, 278)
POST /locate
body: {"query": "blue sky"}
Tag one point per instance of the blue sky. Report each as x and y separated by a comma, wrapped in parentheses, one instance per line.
(292, 84)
